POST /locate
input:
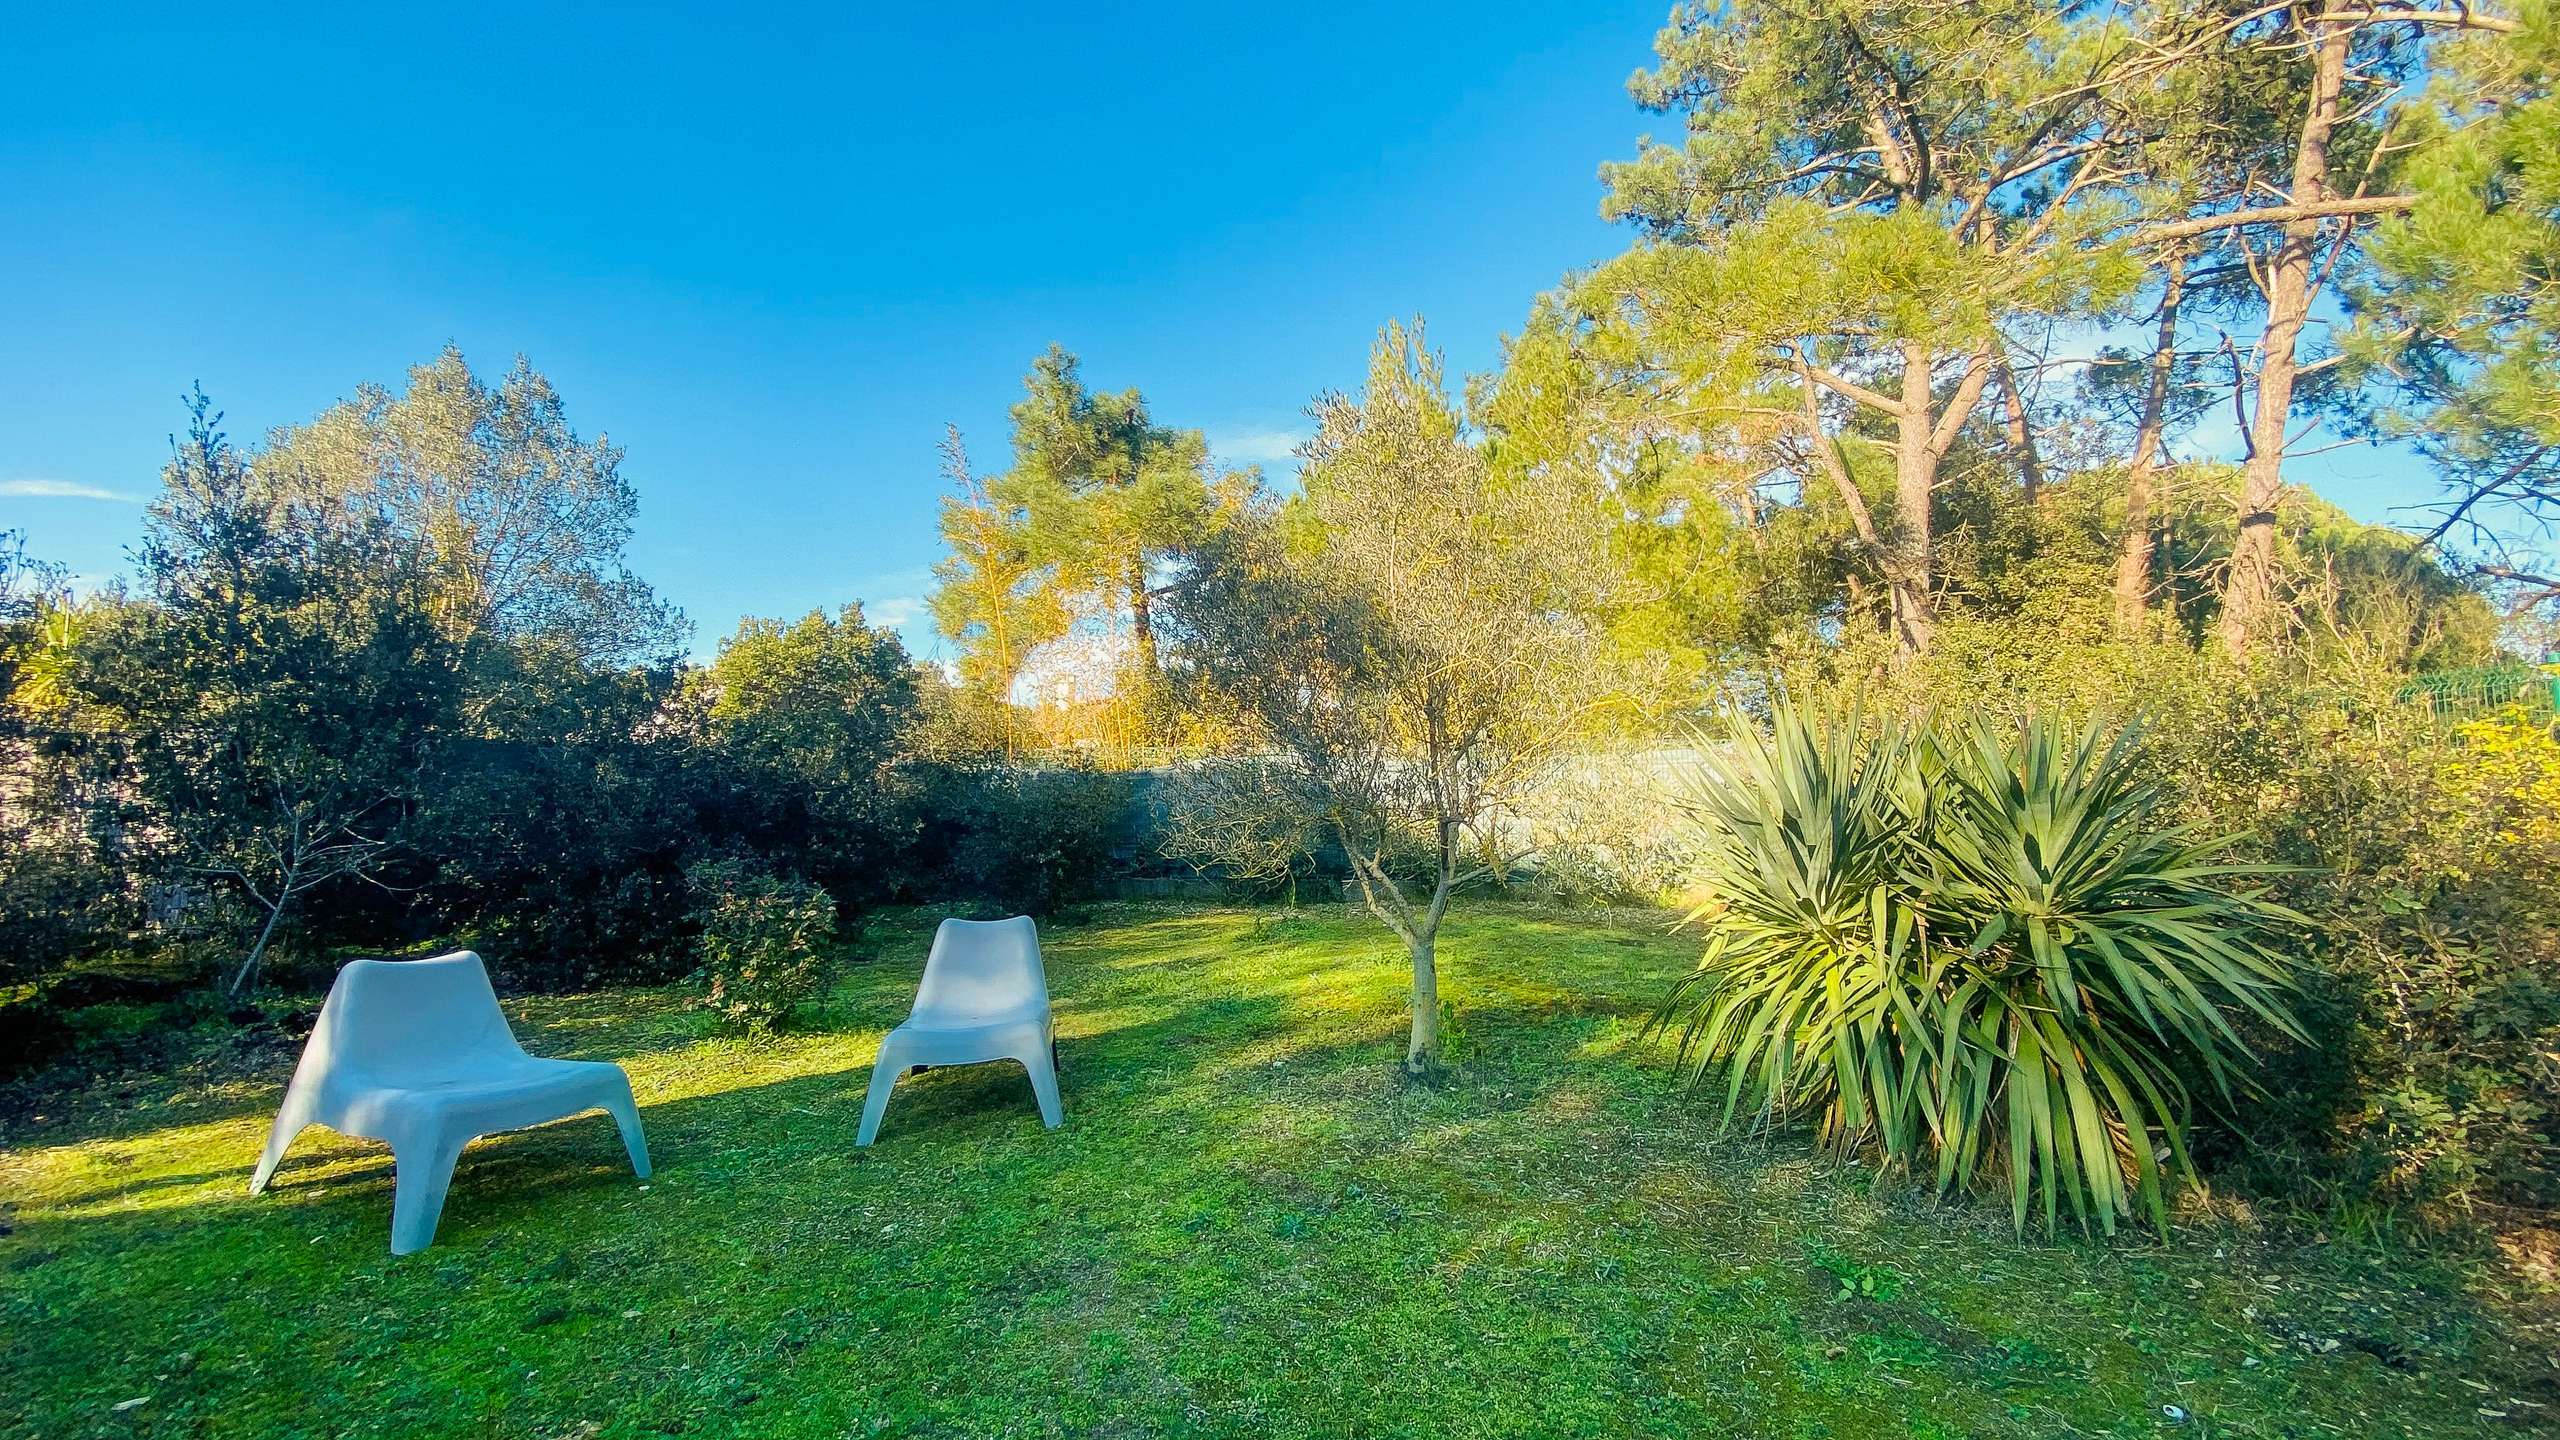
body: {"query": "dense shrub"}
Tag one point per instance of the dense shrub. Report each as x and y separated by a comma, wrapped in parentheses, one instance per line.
(2437, 1082)
(560, 854)
(2424, 1083)
(1979, 951)
(801, 726)
(95, 1023)
(767, 941)
(57, 905)
(1017, 841)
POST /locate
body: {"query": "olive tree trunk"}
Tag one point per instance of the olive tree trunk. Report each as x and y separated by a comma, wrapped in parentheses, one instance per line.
(1418, 926)
(1422, 1054)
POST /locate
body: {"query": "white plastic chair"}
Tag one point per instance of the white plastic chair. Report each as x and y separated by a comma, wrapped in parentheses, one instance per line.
(984, 997)
(416, 1053)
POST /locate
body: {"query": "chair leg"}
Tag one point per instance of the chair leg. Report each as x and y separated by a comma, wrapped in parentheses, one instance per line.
(626, 1118)
(421, 1172)
(884, 1078)
(1042, 1067)
(292, 1118)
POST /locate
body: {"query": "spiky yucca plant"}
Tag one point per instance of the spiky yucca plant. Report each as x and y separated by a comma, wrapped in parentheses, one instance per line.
(1982, 954)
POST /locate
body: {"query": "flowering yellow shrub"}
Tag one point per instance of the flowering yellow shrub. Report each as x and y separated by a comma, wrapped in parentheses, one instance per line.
(2504, 777)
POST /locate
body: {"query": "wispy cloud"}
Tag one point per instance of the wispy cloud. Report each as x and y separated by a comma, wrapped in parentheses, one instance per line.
(1256, 446)
(906, 579)
(60, 490)
(894, 611)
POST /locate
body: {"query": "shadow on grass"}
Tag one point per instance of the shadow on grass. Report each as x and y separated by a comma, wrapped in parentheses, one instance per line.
(1220, 1062)
(1309, 1033)
(1240, 1161)
(514, 1171)
(234, 1073)
(1319, 961)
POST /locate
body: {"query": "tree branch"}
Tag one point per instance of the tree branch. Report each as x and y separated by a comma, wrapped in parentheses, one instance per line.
(1841, 385)
(2460, 17)
(2272, 215)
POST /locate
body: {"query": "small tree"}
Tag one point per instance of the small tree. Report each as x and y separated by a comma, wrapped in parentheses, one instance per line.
(1408, 644)
(278, 687)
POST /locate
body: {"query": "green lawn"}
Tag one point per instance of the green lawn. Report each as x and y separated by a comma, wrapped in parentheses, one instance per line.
(1249, 1225)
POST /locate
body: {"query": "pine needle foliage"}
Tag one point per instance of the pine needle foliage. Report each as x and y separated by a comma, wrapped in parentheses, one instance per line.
(1975, 951)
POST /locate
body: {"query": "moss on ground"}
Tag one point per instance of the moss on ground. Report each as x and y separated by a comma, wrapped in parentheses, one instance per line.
(1249, 1225)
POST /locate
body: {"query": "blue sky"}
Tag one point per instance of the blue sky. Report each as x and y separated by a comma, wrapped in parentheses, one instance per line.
(772, 256)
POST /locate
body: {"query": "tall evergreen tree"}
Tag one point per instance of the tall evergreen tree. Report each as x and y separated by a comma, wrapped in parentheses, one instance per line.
(1100, 501)
(2289, 204)
(1107, 495)
(1868, 194)
(988, 599)
(2463, 312)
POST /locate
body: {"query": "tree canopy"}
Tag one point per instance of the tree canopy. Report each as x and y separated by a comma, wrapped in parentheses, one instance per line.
(1404, 647)
(1085, 528)
(523, 520)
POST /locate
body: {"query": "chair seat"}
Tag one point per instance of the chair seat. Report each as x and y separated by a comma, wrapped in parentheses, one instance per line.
(417, 1054)
(995, 1030)
(497, 1096)
(984, 996)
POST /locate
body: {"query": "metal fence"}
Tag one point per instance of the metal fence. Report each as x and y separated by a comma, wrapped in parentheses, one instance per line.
(2465, 694)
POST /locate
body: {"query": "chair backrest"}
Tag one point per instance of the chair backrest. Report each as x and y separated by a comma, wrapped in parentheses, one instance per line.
(413, 1020)
(982, 968)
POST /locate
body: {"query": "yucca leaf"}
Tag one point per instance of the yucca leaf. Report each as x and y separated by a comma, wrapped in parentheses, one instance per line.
(1980, 941)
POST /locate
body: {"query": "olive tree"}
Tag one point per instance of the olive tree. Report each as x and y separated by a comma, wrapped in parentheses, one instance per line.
(1407, 647)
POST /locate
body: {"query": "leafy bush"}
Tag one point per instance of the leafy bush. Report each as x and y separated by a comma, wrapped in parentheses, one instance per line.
(767, 941)
(562, 854)
(2446, 947)
(2503, 777)
(800, 726)
(1984, 952)
(57, 905)
(2424, 1084)
(1018, 841)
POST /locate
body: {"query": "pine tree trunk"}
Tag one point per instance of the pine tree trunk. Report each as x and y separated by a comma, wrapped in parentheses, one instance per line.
(2248, 595)
(2022, 436)
(1142, 620)
(2135, 553)
(1907, 559)
(1858, 608)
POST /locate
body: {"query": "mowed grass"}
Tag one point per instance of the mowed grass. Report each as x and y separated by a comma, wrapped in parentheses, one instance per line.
(1248, 1226)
